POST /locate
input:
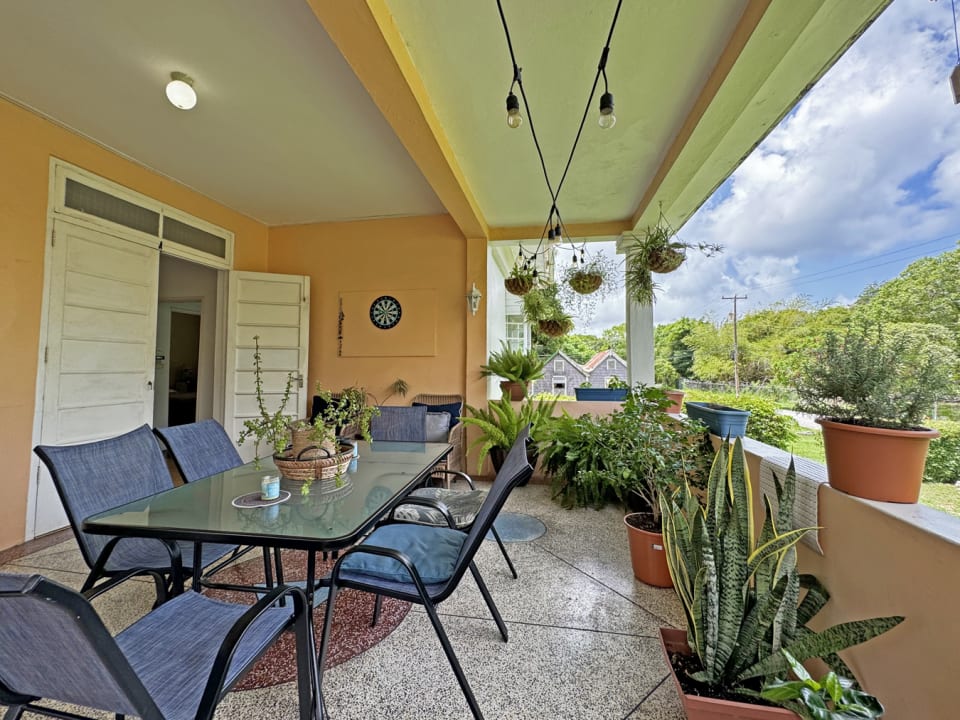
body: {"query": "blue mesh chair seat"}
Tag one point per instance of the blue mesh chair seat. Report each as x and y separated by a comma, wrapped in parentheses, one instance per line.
(424, 564)
(175, 663)
(97, 476)
(202, 449)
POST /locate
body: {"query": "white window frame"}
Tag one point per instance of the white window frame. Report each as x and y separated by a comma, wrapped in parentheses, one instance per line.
(559, 380)
(558, 365)
(611, 363)
(63, 171)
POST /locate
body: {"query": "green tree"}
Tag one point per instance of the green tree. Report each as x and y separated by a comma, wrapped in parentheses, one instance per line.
(615, 338)
(670, 345)
(581, 347)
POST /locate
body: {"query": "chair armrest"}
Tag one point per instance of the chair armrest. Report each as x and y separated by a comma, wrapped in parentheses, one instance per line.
(456, 459)
(158, 580)
(214, 687)
(383, 552)
(426, 502)
(455, 473)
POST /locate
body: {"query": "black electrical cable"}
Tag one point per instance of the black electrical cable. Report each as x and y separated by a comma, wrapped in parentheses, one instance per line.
(601, 68)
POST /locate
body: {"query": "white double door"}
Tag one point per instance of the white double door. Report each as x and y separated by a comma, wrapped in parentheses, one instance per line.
(100, 344)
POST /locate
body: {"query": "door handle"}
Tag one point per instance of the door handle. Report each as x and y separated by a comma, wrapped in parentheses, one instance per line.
(149, 384)
(299, 378)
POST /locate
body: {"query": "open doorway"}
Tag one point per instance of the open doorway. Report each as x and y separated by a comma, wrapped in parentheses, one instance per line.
(186, 339)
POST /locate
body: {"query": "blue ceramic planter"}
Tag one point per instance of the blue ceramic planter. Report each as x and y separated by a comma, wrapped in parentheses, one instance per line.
(720, 419)
(588, 393)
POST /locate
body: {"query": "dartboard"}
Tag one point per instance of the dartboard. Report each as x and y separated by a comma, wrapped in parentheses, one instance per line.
(385, 312)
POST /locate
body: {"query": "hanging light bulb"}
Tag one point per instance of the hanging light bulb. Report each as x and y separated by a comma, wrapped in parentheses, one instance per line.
(550, 234)
(607, 118)
(557, 232)
(514, 118)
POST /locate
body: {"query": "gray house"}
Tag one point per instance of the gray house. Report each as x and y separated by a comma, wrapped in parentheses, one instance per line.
(562, 374)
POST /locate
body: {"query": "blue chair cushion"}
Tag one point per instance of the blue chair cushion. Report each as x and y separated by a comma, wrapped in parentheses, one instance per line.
(452, 408)
(433, 551)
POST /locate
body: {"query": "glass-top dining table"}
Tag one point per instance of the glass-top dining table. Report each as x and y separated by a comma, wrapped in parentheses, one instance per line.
(204, 510)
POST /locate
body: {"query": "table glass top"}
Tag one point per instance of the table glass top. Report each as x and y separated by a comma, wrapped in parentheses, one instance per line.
(203, 510)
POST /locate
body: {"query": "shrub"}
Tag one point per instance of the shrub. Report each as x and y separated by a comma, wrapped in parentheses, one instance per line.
(943, 459)
(765, 425)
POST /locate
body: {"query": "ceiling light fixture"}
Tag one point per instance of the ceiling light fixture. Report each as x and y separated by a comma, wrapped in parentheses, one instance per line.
(607, 118)
(180, 91)
(514, 118)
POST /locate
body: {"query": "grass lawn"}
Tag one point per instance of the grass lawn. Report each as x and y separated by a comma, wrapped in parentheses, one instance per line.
(941, 496)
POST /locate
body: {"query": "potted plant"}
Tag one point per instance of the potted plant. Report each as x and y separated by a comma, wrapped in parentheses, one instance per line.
(871, 389)
(657, 251)
(272, 428)
(721, 420)
(500, 424)
(521, 279)
(615, 391)
(740, 592)
(631, 457)
(542, 307)
(831, 698)
(517, 367)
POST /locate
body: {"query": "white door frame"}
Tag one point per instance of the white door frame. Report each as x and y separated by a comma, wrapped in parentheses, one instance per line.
(118, 231)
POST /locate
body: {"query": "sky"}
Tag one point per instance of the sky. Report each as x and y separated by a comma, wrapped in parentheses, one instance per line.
(859, 180)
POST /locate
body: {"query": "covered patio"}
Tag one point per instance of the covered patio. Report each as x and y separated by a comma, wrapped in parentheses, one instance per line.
(362, 147)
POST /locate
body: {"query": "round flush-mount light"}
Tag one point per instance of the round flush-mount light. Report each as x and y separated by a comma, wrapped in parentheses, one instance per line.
(180, 91)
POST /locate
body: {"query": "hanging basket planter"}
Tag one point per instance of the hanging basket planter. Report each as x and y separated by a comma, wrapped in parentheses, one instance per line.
(518, 285)
(585, 283)
(664, 259)
(555, 328)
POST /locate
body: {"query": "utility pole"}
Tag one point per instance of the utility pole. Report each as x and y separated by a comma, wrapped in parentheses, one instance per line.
(736, 353)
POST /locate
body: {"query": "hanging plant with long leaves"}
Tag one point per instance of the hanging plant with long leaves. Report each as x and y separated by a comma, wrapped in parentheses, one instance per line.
(587, 281)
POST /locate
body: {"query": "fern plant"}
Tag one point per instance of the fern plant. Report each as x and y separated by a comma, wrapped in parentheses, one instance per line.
(500, 423)
(740, 590)
(519, 366)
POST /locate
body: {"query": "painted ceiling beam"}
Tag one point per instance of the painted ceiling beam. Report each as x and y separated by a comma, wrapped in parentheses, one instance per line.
(749, 20)
(366, 35)
(775, 55)
(577, 231)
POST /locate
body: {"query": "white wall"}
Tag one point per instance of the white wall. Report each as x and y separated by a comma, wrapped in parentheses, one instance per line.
(184, 281)
(496, 298)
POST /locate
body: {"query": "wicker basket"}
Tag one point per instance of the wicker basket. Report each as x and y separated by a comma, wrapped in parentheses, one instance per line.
(555, 328)
(314, 464)
(665, 260)
(585, 282)
(518, 286)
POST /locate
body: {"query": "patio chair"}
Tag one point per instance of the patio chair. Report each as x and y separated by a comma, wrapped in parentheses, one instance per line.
(97, 476)
(175, 663)
(202, 449)
(424, 564)
(452, 404)
(399, 424)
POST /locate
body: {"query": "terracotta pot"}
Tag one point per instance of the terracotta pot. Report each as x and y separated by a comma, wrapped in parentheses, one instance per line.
(677, 397)
(517, 390)
(647, 556)
(702, 708)
(876, 463)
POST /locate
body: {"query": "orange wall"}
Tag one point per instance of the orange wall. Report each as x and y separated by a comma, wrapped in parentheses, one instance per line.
(420, 253)
(28, 142)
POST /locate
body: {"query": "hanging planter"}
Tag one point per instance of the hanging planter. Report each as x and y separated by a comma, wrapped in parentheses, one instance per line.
(665, 259)
(555, 328)
(521, 279)
(656, 252)
(585, 282)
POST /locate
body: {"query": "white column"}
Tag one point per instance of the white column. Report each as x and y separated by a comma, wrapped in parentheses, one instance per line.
(639, 342)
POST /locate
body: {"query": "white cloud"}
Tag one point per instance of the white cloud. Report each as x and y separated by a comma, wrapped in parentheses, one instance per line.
(865, 164)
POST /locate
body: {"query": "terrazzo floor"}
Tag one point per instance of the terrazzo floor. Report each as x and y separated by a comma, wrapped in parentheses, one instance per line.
(583, 634)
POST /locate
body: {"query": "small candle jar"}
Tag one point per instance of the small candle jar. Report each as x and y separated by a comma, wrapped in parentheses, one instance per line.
(270, 487)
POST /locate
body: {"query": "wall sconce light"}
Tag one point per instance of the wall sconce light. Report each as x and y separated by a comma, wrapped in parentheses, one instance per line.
(473, 299)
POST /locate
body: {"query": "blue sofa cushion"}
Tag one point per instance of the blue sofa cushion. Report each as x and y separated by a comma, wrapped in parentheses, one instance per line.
(452, 408)
(433, 551)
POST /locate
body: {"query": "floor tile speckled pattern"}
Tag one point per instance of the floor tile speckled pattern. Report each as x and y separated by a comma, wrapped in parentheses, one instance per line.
(582, 634)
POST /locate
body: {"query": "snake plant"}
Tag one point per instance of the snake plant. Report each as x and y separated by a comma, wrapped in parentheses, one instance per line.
(740, 589)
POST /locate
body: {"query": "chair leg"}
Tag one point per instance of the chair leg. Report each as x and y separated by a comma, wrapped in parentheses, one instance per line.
(310, 700)
(503, 549)
(325, 635)
(13, 712)
(377, 606)
(452, 659)
(278, 563)
(489, 600)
